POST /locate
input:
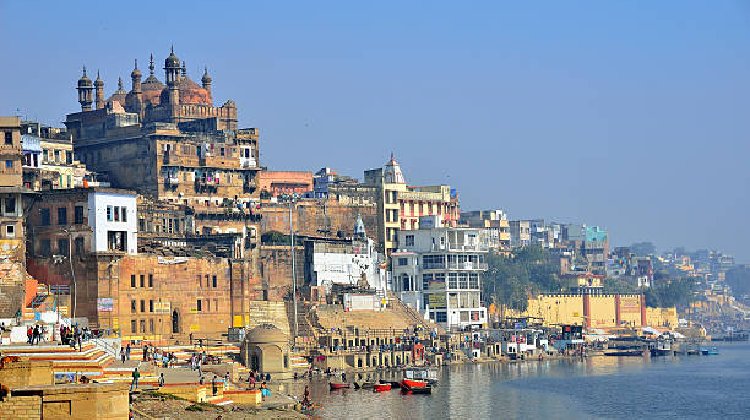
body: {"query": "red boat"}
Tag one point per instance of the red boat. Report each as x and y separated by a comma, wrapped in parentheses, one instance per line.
(409, 384)
(339, 385)
(382, 387)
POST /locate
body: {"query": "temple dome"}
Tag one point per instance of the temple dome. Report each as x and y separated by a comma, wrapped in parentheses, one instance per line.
(266, 334)
(191, 93)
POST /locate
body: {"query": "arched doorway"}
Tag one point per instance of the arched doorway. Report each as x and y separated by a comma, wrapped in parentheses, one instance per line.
(255, 362)
(175, 322)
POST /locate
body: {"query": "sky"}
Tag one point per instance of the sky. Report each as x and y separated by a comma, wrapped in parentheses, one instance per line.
(628, 115)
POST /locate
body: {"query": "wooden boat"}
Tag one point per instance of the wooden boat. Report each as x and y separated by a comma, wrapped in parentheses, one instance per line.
(425, 390)
(713, 351)
(339, 385)
(624, 353)
(381, 387)
(411, 384)
(660, 352)
(394, 384)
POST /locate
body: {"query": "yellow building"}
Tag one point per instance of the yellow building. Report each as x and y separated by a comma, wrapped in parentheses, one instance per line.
(599, 311)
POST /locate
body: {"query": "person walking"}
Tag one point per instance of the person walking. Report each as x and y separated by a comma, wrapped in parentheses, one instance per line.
(161, 380)
(35, 335)
(214, 388)
(122, 354)
(136, 375)
(127, 351)
(30, 335)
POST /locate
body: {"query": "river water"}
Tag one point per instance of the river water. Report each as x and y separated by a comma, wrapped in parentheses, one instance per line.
(597, 387)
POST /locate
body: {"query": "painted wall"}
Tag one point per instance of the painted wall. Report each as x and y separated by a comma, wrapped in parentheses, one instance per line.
(98, 203)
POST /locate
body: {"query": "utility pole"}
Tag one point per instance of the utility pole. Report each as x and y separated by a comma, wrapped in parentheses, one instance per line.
(291, 198)
(294, 268)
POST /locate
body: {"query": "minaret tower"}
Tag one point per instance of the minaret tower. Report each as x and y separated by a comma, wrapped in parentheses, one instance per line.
(206, 81)
(85, 88)
(134, 98)
(172, 72)
(99, 88)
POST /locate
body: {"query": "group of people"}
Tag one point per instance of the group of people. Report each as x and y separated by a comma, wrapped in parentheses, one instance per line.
(35, 334)
(73, 336)
(159, 356)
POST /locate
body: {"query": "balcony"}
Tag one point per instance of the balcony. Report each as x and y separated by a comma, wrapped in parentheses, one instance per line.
(455, 266)
(206, 184)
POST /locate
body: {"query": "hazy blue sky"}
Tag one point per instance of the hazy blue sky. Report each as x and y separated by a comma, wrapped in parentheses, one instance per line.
(631, 115)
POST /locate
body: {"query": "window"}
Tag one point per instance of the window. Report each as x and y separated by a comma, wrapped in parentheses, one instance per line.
(9, 164)
(132, 280)
(143, 306)
(78, 215)
(68, 157)
(151, 306)
(8, 137)
(403, 261)
(151, 326)
(117, 241)
(150, 280)
(216, 305)
(123, 215)
(10, 205)
(45, 248)
(143, 280)
(132, 326)
(132, 306)
(198, 278)
(117, 213)
(10, 231)
(473, 281)
(198, 305)
(143, 326)
(221, 151)
(409, 240)
(213, 281)
(44, 215)
(57, 156)
(441, 317)
(109, 213)
(79, 246)
(63, 247)
(208, 305)
(62, 216)
(452, 280)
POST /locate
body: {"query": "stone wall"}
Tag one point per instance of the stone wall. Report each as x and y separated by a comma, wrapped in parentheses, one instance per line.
(12, 288)
(276, 270)
(319, 217)
(94, 401)
(25, 373)
(21, 408)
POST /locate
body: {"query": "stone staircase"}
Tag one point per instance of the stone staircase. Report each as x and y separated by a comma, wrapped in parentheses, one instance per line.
(92, 361)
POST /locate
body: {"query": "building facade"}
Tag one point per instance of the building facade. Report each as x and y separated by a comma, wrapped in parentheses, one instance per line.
(495, 224)
(400, 206)
(438, 271)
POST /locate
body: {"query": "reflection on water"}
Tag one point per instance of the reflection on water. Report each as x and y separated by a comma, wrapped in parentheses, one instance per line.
(597, 387)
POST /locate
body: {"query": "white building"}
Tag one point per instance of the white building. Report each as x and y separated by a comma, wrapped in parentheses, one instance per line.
(438, 271)
(348, 262)
(113, 220)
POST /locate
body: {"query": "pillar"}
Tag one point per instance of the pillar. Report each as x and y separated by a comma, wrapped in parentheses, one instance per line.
(587, 310)
(617, 311)
(643, 310)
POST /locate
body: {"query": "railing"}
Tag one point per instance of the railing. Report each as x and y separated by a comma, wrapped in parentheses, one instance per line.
(455, 266)
(106, 347)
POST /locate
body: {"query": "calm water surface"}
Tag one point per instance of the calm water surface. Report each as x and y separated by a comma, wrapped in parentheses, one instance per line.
(599, 387)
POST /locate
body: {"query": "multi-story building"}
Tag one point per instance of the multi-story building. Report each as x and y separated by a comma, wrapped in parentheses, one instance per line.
(346, 262)
(169, 142)
(400, 205)
(520, 233)
(438, 270)
(275, 183)
(48, 158)
(496, 225)
(11, 209)
(12, 244)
